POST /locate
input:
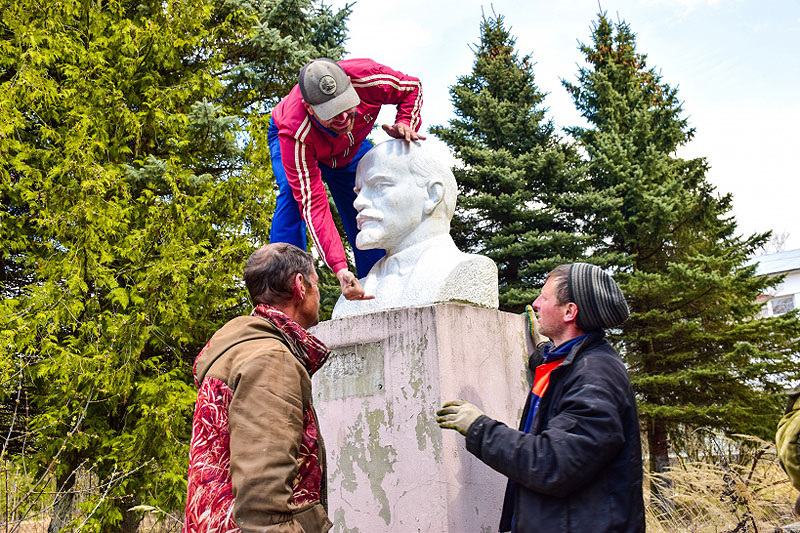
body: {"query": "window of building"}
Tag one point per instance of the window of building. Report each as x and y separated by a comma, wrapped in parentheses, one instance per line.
(782, 305)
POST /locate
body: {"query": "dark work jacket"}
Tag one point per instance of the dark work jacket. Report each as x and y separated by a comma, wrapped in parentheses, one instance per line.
(580, 467)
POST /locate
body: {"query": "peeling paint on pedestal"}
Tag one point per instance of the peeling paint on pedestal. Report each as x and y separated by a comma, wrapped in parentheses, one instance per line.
(363, 450)
(390, 467)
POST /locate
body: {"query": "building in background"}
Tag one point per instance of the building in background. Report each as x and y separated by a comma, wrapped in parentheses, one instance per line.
(786, 296)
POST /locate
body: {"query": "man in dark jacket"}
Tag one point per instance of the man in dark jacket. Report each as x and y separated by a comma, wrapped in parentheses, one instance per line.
(575, 464)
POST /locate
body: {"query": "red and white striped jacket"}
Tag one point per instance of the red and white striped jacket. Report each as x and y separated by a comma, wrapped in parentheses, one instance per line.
(304, 144)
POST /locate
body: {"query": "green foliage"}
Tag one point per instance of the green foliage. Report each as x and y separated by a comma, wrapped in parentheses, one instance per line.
(134, 182)
(519, 182)
(698, 353)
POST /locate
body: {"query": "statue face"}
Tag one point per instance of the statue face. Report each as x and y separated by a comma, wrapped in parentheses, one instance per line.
(389, 203)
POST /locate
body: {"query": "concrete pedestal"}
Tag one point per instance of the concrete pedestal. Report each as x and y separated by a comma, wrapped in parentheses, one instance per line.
(390, 466)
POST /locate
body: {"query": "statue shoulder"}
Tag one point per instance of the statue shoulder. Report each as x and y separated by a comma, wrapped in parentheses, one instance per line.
(472, 279)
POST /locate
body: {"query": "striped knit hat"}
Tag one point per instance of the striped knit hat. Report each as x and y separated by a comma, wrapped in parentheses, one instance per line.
(600, 301)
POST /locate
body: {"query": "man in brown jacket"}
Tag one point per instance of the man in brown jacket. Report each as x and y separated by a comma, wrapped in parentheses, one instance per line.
(257, 461)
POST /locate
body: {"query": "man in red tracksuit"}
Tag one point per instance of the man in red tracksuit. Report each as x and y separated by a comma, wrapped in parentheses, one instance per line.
(317, 133)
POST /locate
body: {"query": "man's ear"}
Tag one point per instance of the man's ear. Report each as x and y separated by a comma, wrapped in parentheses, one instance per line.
(299, 286)
(435, 196)
(571, 312)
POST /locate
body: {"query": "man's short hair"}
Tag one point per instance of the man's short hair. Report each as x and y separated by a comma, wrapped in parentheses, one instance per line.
(600, 301)
(560, 277)
(270, 270)
(424, 165)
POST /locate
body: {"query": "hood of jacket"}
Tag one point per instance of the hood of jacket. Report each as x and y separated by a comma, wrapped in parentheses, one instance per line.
(240, 329)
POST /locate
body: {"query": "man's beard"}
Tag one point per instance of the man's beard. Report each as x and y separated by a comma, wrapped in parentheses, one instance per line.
(547, 331)
(370, 238)
(371, 229)
(308, 320)
(345, 128)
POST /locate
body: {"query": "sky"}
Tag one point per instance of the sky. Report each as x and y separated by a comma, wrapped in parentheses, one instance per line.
(735, 64)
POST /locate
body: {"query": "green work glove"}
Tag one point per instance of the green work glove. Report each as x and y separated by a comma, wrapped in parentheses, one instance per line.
(458, 415)
(533, 326)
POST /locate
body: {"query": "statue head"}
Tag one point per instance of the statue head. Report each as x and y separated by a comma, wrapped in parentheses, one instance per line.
(406, 195)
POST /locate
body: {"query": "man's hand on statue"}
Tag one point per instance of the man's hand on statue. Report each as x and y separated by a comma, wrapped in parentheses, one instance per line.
(533, 325)
(351, 287)
(458, 415)
(402, 130)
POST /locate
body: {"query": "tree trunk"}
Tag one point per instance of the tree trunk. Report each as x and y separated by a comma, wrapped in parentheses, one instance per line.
(130, 519)
(65, 496)
(660, 483)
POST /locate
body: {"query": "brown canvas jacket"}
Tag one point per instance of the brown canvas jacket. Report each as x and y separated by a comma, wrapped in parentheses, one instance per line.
(269, 412)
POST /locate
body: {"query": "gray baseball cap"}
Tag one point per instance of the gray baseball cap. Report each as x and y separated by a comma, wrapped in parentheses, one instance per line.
(326, 88)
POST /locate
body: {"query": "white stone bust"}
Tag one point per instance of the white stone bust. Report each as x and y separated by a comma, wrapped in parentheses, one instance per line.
(406, 198)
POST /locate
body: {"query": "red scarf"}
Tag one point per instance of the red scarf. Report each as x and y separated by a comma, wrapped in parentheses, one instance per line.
(315, 353)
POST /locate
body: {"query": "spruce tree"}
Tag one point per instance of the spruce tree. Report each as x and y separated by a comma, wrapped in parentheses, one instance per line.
(697, 352)
(519, 182)
(134, 182)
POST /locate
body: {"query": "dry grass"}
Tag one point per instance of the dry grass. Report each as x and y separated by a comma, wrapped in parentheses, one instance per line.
(149, 525)
(739, 488)
(27, 507)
